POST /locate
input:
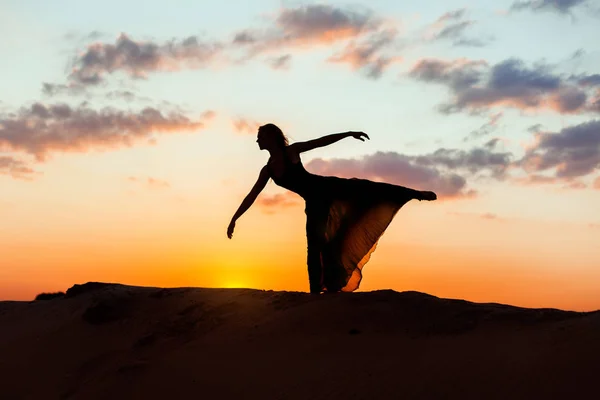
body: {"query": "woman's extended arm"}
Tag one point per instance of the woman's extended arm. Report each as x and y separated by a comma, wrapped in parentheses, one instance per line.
(261, 182)
(327, 140)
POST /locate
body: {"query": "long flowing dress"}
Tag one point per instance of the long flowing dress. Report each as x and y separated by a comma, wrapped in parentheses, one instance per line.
(345, 217)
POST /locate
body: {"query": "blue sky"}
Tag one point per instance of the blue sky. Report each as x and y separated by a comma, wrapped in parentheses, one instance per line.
(399, 112)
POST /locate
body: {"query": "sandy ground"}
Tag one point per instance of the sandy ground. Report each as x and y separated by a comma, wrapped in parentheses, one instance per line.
(121, 342)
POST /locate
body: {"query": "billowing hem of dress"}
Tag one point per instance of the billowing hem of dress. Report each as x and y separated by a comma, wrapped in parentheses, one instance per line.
(353, 229)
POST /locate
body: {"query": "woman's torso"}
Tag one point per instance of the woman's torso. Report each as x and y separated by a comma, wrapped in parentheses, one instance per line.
(288, 172)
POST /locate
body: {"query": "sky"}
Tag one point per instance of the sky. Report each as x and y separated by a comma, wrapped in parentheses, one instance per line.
(128, 140)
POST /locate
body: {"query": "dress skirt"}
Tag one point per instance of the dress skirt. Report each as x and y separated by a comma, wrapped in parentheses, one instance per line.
(345, 219)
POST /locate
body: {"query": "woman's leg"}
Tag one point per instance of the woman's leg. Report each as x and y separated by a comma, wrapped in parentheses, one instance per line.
(367, 190)
(316, 224)
(405, 193)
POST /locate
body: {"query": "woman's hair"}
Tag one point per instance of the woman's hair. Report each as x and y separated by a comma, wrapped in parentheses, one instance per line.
(274, 132)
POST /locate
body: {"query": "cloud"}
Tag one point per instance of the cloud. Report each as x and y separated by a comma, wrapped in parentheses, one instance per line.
(366, 37)
(245, 37)
(459, 74)
(575, 185)
(369, 39)
(491, 144)
(126, 95)
(138, 58)
(208, 115)
(243, 125)
(594, 105)
(535, 128)
(477, 86)
(596, 184)
(78, 36)
(559, 6)
(452, 26)
(78, 89)
(323, 22)
(443, 171)
(488, 216)
(454, 30)
(281, 62)
(475, 161)
(533, 179)
(366, 55)
(55, 89)
(573, 152)
(151, 182)
(587, 79)
(42, 129)
(309, 25)
(15, 168)
(536, 179)
(280, 200)
(487, 128)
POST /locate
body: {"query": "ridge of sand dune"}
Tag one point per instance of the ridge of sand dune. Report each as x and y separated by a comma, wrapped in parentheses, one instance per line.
(104, 340)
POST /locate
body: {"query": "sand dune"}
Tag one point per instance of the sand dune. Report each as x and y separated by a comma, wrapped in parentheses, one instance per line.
(113, 341)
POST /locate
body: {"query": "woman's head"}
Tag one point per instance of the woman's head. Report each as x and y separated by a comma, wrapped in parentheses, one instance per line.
(270, 135)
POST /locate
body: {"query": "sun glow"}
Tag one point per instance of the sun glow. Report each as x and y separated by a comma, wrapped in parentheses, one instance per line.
(236, 284)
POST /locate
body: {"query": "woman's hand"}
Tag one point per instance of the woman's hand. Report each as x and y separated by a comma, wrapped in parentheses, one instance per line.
(359, 135)
(230, 229)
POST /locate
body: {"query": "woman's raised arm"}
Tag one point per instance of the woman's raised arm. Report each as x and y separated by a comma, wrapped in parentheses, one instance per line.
(301, 147)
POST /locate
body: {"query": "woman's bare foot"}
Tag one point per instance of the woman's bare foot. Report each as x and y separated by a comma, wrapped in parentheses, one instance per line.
(425, 195)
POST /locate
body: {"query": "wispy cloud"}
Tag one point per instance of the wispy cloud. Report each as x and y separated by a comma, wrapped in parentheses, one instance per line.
(56, 89)
(15, 168)
(487, 216)
(575, 184)
(367, 56)
(477, 161)
(588, 80)
(126, 95)
(476, 86)
(42, 129)
(138, 58)
(245, 126)
(150, 182)
(487, 128)
(75, 89)
(269, 203)
(368, 39)
(571, 153)
(558, 6)
(281, 62)
(315, 24)
(565, 183)
(452, 27)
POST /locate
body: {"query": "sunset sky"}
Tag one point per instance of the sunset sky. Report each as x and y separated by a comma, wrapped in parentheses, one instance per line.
(128, 140)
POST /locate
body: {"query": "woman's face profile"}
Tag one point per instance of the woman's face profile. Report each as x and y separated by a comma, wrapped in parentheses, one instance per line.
(261, 139)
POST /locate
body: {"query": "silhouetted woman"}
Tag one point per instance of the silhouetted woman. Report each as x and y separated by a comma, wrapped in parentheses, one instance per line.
(344, 217)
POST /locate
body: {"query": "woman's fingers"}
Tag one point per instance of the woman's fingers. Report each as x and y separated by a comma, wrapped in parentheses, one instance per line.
(360, 135)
